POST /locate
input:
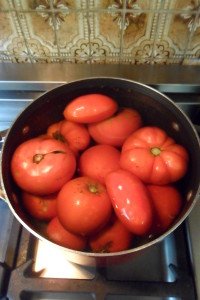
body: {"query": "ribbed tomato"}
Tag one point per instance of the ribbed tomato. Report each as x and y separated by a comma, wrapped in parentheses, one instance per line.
(153, 156)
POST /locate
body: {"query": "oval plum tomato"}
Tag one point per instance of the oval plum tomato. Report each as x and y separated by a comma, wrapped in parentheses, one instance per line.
(130, 200)
(75, 135)
(97, 161)
(114, 130)
(83, 206)
(153, 156)
(42, 165)
(40, 207)
(167, 203)
(114, 237)
(90, 108)
(59, 235)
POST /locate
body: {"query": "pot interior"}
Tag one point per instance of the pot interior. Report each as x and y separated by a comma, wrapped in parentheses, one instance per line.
(155, 109)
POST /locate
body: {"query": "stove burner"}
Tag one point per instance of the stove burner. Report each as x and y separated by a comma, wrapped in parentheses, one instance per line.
(52, 262)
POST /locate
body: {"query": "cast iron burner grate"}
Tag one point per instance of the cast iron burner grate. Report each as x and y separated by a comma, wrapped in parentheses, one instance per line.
(98, 288)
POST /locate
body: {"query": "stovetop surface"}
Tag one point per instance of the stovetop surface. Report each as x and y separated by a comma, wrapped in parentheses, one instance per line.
(162, 272)
(168, 270)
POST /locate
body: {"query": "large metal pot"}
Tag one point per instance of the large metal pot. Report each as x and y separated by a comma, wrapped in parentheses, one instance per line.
(155, 108)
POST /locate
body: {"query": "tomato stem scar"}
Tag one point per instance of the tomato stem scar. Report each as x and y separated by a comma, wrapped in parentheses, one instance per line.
(92, 188)
(155, 151)
(58, 136)
(37, 158)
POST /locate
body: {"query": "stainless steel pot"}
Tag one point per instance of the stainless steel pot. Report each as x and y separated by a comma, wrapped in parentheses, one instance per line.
(155, 108)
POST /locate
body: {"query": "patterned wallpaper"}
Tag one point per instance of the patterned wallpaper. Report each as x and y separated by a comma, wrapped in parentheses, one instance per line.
(100, 31)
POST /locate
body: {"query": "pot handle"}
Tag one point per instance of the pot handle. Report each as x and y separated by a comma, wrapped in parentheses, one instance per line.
(2, 137)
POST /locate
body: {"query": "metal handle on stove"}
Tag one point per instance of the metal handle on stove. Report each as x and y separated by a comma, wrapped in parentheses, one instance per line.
(2, 137)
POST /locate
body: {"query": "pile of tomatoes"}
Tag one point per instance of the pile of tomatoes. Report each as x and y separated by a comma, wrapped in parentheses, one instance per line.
(100, 177)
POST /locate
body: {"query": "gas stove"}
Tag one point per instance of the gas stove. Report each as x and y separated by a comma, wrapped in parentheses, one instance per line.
(31, 269)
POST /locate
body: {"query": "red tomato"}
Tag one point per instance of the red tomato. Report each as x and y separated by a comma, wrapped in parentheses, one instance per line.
(96, 162)
(153, 156)
(114, 130)
(90, 108)
(75, 135)
(40, 207)
(83, 206)
(59, 235)
(42, 165)
(112, 238)
(167, 202)
(130, 200)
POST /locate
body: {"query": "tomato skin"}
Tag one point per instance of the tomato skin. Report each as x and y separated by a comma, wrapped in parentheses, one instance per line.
(153, 156)
(75, 135)
(83, 206)
(130, 200)
(54, 129)
(59, 235)
(112, 238)
(40, 207)
(97, 161)
(90, 108)
(41, 165)
(114, 130)
(167, 203)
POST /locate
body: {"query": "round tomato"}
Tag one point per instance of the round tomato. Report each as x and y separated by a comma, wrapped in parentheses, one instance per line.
(114, 130)
(83, 206)
(90, 108)
(59, 235)
(75, 135)
(130, 200)
(40, 207)
(167, 202)
(153, 156)
(42, 165)
(97, 161)
(112, 238)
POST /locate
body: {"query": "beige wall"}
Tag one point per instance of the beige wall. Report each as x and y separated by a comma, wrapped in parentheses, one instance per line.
(100, 31)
